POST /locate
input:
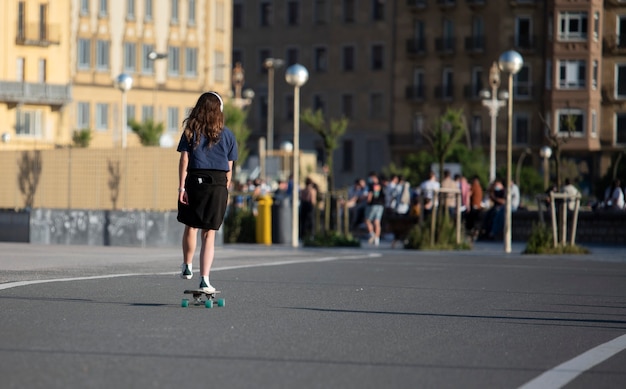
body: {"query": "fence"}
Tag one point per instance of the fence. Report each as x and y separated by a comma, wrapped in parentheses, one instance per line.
(143, 178)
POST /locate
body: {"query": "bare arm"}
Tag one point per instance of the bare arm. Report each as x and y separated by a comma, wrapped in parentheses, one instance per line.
(182, 175)
(229, 174)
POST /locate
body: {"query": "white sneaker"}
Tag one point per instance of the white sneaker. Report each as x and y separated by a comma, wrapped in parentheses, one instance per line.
(376, 241)
(206, 287)
(186, 272)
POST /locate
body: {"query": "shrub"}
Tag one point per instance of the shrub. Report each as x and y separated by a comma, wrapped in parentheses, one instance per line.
(82, 138)
(331, 239)
(541, 241)
(239, 226)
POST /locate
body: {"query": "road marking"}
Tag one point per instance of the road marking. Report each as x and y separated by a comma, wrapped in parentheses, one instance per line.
(566, 372)
(15, 284)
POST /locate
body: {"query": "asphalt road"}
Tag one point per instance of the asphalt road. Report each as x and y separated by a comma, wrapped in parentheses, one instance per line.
(96, 317)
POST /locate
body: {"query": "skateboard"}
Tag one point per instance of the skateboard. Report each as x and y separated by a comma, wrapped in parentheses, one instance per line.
(209, 300)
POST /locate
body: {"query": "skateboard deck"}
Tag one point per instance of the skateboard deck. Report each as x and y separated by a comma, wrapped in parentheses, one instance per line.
(209, 298)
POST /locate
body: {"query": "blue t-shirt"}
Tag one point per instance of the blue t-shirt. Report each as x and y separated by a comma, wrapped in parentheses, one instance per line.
(215, 157)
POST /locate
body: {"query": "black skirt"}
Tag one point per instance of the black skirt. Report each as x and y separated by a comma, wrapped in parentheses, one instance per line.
(207, 197)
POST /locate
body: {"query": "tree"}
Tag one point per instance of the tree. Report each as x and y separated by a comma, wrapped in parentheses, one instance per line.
(235, 119)
(329, 132)
(445, 134)
(149, 131)
(82, 138)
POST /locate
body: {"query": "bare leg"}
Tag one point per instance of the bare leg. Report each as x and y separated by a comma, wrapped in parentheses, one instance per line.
(189, 244)
(207, 252)
(377, 228)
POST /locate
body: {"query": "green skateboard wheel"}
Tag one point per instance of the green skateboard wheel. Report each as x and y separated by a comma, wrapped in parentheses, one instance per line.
(221, 302)
(208, 304)
(184, 303)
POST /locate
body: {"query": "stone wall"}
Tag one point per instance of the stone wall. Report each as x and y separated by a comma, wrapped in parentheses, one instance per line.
(93, 228)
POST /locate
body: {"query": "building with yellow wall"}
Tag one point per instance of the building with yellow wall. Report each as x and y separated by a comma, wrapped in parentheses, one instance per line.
(63, 58)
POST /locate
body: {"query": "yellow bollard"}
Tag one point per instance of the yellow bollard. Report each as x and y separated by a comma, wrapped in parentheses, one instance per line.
(264, 220)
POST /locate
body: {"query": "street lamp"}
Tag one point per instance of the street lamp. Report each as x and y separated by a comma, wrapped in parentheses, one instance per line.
(510, 62)
(546, 152)
(154, 56)
(493, 102)
(124, 83)
(296, 75)
(271, 64)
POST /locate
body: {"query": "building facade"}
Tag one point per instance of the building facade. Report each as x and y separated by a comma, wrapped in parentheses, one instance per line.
(393, 67)
(70, 54)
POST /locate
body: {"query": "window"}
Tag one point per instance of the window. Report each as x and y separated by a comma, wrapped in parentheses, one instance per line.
(102, 116)
(321, 59)
(521, 128)
(220, 16)
(378, 57)
(347, 106)
(191, 16)
(265, 14)
(376, 106)
(572, 25)
(522, 83)
(476, 130)
(293, 12)
(148, 10)
(596, 25)
(130, 57)
(347, 59)
(20, 68)
(448, 35)
(477, 82)
(378, 10)
(620, 81)
(191, 62)
(447, 83)
(84, 54)
(594, 123)
(83, 118)
(572, 74)
(238, 13)
(84, 7)
(174, 12)
(173, 61)
(417, 91)
(348, 11)
(320, 12)
(147, 65)
(103, 8)
(291, 56)
(102, 55)
(28, 123)
(319, 104)
(43, 22)
(219, 65)
(571, 121)
(417, 128)
(130, 9)
(147, 112)
(172, 119)
(620, 128)
(594, 75)
(347, 156)
(523, 32)
(42, 71)
(548, 74)
(130, 113)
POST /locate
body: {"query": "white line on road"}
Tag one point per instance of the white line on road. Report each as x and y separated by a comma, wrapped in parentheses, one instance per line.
(15, 284)
(568, 371)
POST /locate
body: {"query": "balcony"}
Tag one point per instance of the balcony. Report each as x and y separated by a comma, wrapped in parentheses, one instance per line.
(444, 92)
(37, 34)
(415, 93)
(444, 4)
(525, 3)
(475, 44)
(416, 46)
(615, 3)
(445, 45)
(612, 44)
(417, 5)
(35, 93)
(525, 43)
(474, 4)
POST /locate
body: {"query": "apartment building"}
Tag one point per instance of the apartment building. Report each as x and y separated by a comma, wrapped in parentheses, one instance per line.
(393, 67)
(69, 54)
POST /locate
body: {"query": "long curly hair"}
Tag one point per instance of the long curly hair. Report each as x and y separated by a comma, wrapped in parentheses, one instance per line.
(206, 118)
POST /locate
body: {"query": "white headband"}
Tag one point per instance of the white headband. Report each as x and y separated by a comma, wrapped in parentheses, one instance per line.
(220, 99)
